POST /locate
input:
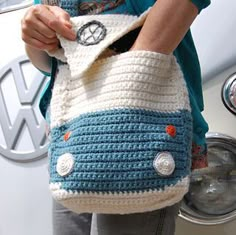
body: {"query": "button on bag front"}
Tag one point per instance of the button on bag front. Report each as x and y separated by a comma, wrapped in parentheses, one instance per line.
(120, 125)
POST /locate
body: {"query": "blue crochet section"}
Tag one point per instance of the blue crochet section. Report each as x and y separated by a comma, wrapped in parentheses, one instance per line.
(72, 7)
(114, 150)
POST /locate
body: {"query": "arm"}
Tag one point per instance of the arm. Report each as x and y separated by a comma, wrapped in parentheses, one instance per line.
(165, 26)
(39, 58)
(39, 27)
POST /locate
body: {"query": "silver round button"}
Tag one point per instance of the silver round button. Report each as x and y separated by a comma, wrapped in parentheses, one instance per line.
(164, 164)
(65, 164)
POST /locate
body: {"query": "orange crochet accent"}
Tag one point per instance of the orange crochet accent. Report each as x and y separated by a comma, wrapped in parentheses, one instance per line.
(67, 136)
(171, 130)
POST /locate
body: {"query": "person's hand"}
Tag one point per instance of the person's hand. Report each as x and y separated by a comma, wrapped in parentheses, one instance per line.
(40, 25)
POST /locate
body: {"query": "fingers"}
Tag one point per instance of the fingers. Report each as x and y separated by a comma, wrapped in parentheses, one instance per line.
(39, 41)
(40, 25)
(38, 30)
(62, 15)
(56, 19)
(42, 46)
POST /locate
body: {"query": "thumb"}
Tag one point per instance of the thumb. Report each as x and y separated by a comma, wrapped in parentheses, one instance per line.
(61, 15)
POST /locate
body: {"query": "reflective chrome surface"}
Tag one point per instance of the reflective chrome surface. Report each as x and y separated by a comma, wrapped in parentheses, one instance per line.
(212, 196)
(12, 5)
(229, 93)
(27, 123)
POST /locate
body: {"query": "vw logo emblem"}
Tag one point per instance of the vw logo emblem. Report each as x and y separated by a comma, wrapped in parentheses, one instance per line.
(91, 33)
(22, 128)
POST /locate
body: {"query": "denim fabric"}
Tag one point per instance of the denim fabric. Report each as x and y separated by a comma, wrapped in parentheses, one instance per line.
(66, 222)
(159, 222)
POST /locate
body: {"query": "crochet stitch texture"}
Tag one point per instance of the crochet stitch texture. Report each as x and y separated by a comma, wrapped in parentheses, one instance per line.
(110, 150)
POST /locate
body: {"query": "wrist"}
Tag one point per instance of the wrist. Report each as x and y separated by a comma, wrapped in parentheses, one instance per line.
(149, 47)
(39, 58)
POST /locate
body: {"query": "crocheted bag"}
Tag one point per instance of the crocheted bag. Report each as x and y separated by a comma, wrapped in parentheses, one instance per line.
(120, 125)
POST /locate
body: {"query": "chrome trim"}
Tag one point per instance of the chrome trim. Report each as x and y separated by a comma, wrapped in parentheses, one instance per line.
(223, 137)
(14, 7)
(188, 214)
(228, 93)
(205, 220)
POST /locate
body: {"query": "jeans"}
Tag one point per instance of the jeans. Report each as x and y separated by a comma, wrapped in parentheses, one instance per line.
(159, 222)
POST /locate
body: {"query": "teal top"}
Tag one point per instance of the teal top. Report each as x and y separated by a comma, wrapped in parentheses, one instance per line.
(185, 53)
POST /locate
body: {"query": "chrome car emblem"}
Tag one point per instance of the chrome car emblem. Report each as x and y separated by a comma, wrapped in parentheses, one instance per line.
(19, 113)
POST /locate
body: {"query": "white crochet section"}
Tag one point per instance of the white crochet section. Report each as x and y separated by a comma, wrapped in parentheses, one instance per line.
(80, 57)
(59, 54)
(135, 79)
(120, 203)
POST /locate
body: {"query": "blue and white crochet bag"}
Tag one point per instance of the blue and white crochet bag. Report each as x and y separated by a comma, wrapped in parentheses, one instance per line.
(120, 125)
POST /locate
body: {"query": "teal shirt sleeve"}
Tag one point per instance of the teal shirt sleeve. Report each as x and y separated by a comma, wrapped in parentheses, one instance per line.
(201, 4)
(138, 7)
